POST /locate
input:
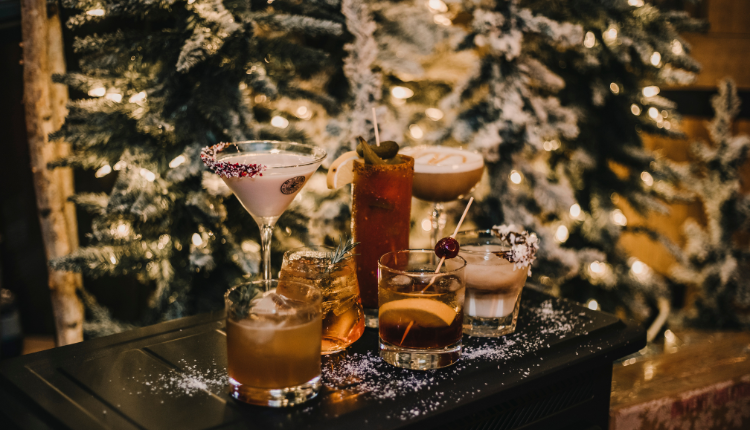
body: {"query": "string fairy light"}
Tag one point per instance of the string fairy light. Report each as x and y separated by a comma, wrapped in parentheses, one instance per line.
(589, 40)
(650, 91)
(635, 109)
(515, 177)
(103, 171)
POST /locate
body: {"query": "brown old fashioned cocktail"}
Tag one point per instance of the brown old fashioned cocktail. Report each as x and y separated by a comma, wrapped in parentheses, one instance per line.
(421, 311)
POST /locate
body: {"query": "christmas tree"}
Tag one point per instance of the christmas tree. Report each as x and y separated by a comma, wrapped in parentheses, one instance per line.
(554, 95)
(716, 257)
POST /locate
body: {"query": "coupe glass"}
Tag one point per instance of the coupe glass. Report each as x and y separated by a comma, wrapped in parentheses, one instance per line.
(443, 174)
(265, 176)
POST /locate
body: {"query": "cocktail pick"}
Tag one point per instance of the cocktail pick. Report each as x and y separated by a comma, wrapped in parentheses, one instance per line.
(375, 121)
(442, 260)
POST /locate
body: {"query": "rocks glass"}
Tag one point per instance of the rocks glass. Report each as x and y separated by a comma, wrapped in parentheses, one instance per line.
(343, 319)
(273, 343)
(421, 312)
(493, 284)
(381, 221)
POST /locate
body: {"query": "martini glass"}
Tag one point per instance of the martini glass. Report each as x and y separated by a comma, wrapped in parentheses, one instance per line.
(443, 174)
(265, 176)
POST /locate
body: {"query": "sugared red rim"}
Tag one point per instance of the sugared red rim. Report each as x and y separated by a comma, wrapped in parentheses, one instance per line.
(229, 170)
(246, 170)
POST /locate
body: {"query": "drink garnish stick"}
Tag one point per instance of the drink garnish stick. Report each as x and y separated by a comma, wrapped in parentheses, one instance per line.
(442, 260)
(375, 121)
(455, 232)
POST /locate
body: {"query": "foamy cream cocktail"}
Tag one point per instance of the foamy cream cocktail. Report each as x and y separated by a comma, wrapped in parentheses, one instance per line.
(497, 264)
(443, 174)
(265, 176)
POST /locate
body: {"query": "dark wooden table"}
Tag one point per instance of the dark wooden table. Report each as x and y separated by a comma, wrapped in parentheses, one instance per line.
(554, 373)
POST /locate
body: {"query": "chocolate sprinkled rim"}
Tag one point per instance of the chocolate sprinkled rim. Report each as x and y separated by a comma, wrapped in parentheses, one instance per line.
(523, 245)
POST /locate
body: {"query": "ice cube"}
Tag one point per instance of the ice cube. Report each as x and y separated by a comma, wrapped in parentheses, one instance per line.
(272, 303)
(402, 281)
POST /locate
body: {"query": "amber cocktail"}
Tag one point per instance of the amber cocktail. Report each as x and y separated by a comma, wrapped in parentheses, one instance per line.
(343, 319)
(381, 217)
(421, 312)
(273, 343)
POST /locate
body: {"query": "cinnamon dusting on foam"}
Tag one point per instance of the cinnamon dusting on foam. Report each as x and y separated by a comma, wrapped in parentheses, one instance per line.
(440, 159)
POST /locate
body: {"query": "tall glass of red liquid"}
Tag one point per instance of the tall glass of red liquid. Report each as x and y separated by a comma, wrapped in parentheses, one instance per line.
(381, 221)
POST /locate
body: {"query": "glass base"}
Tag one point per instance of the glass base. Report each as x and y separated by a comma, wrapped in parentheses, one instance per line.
(492, 327)
(277, 398)
(419, 359)
(371, 318)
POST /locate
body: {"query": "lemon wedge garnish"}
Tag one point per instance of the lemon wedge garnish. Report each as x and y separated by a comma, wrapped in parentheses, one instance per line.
(424, 313)
(341, 171)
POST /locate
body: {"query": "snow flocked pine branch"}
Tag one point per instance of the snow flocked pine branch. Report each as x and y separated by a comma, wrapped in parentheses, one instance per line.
(716, 259)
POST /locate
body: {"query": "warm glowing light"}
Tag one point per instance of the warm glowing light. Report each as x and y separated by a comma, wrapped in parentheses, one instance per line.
(610, 35)
(561, 234)
(515, 177)
(250, 247)
(647, 178)
(655, 59)
(401, 92)
(197, 239)
(597, 267)
(416, 131)
(669, 335)
(575, 210)
(95, 12)
(97, 92)
(614, 88)
(426, 224)
(177, 161)
(279, 122)
(302, 111)
(592, 304)
(551, 145)
(120, 165)
(112, 259)
(437, 6)
(589, 40)
(650, 91)
(638, 267)
(103, 171)
(635, 109)
(635, 3)
(619, 218)
(653, 112)
(667, 125)
(148, 175)
(137, 98)
(117, 98)
(122, 230)
(442, 20)
(434, 114)
(676, 47)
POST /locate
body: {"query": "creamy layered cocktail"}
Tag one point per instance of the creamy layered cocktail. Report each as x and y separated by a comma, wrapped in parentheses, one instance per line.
(498, 263)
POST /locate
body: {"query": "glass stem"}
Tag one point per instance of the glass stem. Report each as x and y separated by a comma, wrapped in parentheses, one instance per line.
(266, 233)
(437, 219)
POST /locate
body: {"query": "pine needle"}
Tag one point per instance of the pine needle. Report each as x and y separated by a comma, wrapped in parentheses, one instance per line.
(339, 254)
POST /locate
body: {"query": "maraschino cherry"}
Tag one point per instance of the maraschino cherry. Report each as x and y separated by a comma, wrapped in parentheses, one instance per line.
(446, 247)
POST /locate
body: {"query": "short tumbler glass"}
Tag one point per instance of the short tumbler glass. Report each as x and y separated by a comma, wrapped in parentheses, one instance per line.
(273, 343)
(420, 311)
(493, 284)
(343, 319)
